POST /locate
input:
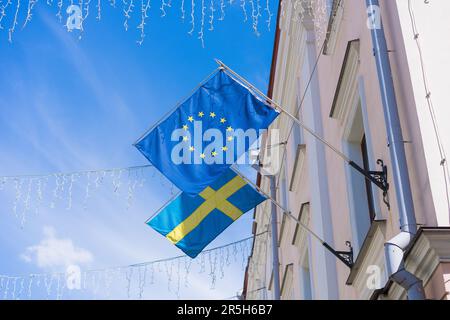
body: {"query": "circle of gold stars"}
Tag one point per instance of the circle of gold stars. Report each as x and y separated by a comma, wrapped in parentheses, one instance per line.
(212, 115)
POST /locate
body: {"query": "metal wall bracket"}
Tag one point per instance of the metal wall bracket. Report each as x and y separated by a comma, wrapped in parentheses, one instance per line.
(379, 178)
(345, 256)
(382, 181)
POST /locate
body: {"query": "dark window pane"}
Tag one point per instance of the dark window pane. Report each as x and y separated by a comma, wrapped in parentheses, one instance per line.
(365, 157)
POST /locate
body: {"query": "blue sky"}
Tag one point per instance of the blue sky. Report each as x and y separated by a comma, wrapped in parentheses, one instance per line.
(70, 104)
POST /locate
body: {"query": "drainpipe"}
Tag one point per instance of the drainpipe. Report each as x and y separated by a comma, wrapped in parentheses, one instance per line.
(395, 248)
(275, 259)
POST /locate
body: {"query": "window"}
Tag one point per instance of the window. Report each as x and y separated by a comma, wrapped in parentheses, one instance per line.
(297, 131)
(298, 138)
(297, 170)
(329, 6)
(305, 280)
(350, 110)
(283, 196)
(260, 292)
(287, 290)
(302, 241)
(359, 190)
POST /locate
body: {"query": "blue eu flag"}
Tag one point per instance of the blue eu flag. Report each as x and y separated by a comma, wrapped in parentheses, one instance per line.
(207, 133)
(192, 222)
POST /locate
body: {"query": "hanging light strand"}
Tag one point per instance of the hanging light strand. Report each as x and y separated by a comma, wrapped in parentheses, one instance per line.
(31, 192)
(13, 8)
(136, 276)
(14, 23)
(31, 4)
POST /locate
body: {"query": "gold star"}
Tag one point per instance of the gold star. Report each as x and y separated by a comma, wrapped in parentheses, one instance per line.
(229, 128)
(191, 148)
(185, 127)
(230, 138)
(185, 138)
(201, 114)
(202, 156)
(212, 114)
(214, 153)
(191, 118)
(224, 148)
(223, 120)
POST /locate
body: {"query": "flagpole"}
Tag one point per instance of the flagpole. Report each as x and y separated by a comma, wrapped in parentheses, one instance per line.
(275, 202)
(345, 256)
(379, 178)
(268, 196)
(281, 109)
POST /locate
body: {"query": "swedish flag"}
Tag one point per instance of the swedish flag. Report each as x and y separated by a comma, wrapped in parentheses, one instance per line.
(192, 222)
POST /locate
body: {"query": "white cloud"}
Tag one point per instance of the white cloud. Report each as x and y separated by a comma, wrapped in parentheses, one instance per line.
(53, 252)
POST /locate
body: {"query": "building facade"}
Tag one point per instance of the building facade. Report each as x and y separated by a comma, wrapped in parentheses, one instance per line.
(324, 72)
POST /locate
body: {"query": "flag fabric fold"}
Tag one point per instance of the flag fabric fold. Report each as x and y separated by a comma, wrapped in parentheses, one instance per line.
(194, 145)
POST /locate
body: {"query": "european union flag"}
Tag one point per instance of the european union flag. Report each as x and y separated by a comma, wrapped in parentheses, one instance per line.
(207, 133)
(192, 222)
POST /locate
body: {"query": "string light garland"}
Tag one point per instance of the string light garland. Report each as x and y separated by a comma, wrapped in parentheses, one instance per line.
(60, 186)
(31, 193)
(269, 15)
(137, 277)
(252, 10)
(14, 23)
(145, 6)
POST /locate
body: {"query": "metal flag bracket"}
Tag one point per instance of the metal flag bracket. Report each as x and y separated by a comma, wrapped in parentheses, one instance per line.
(345, 256)
(379, 178)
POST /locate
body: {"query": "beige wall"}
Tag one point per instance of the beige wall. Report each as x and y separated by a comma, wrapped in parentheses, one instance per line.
(324, 182)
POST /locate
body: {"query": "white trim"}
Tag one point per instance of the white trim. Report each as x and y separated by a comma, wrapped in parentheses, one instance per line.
(334, 27)
(346, 91)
